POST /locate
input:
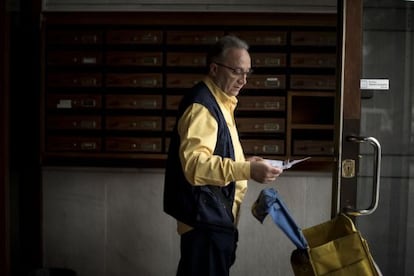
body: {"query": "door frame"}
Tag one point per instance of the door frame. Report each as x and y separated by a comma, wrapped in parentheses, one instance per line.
(4, 142)
(344, 190)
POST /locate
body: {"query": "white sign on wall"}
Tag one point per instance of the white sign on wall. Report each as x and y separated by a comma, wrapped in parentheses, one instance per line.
(375, 84)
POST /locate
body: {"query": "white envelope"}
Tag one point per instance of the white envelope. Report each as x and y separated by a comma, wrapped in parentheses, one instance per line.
(285, 164)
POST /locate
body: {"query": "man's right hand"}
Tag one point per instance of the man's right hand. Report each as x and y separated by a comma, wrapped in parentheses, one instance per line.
(262, 172)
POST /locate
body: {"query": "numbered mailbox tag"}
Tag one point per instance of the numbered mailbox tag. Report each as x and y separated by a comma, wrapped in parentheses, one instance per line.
(63, 103)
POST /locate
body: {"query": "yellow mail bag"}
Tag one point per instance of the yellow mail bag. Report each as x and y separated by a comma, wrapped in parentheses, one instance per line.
(336, 248)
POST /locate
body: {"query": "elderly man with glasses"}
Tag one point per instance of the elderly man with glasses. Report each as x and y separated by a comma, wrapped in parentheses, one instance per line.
(207, 171)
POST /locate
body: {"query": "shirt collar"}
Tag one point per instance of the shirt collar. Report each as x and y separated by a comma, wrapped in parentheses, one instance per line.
(229, 101)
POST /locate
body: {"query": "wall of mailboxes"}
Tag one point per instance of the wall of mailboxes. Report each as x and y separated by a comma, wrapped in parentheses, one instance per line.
(111, 90)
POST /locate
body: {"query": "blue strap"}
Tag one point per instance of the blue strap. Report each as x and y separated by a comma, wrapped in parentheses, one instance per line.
(269, 202)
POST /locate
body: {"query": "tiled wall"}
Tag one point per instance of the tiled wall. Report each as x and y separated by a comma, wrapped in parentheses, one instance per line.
(103, 222)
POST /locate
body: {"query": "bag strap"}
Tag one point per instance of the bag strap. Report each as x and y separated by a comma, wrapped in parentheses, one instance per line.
(349, 222)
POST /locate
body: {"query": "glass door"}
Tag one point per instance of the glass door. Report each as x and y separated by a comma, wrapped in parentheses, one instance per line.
(387, 113)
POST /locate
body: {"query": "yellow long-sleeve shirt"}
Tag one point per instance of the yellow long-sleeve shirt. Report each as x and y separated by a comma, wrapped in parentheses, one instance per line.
(198, 129)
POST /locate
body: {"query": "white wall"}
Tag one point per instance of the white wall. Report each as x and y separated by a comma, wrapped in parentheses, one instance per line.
(102, 222)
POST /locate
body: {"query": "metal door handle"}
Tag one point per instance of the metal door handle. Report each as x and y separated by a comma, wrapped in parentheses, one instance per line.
(376, 177)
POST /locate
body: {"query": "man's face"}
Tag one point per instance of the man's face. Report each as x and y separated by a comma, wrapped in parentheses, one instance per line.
(226, 74)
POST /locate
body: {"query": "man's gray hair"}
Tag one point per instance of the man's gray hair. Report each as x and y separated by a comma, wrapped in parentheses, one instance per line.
(219, 50)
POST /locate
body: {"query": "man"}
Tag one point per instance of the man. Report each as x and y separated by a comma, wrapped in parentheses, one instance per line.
(206, 174)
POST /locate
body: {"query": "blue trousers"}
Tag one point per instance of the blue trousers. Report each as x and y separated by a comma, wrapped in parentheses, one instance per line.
(207, 252)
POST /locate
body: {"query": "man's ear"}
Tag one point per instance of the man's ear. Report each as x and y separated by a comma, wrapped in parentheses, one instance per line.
(213, 69)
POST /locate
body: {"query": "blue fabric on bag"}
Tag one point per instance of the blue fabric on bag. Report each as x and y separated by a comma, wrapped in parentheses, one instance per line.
(270, 202)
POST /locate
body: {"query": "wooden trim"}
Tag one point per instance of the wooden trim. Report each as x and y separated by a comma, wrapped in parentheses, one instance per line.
(353, 61)
(191, 18)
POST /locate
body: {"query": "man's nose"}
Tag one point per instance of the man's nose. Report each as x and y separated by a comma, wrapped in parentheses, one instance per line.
(243, 79)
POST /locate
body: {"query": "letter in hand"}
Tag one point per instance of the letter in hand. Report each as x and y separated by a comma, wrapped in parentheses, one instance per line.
(263, 172)
(286, 164)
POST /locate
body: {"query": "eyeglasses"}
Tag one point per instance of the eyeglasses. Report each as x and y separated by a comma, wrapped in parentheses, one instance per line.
(236, 71)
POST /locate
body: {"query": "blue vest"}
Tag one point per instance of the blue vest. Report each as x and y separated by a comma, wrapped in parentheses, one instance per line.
(199, 206)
